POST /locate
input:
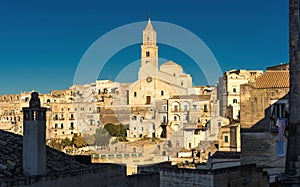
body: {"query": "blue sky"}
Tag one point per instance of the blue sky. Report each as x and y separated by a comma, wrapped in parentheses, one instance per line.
(42, 42)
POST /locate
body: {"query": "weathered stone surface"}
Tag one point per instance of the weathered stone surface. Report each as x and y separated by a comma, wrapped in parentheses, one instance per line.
(62, 169)
(261, 149)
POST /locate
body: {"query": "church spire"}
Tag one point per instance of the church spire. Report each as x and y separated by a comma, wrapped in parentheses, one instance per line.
(149, 34)
(149, 26)
(149, 56)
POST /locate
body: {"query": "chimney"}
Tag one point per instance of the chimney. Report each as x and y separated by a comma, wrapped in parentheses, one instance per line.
(34, 137)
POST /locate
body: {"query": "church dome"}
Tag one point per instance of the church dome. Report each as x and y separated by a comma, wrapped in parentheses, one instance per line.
(170, 63)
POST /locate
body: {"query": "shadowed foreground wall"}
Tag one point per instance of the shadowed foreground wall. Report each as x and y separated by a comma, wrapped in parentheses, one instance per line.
(233, 176)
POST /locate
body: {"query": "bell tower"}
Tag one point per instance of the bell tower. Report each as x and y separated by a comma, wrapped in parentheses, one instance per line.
(149, 48)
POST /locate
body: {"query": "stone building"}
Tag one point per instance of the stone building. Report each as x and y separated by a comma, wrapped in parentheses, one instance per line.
(229, 90)
(262, 103)
(229, 137)
(246, 175)
(162, 102)
(153, 83)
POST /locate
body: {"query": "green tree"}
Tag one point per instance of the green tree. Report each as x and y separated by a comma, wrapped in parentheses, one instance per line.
(111, 129)
(118, 131)
(54, 143)
(78, 141)
(66, 142)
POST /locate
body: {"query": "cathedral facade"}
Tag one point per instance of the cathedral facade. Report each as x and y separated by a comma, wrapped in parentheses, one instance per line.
(154, 82)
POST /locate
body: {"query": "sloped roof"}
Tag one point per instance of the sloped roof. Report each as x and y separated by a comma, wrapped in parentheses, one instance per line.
(149, 26)
(273, 79)
(11, 149)
(226, 155)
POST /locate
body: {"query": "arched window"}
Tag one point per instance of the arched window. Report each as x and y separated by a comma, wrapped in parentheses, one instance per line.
(175, 107)
(234, 101)
(234, 90)
(147, 53)
(186, 106)
(176, 118)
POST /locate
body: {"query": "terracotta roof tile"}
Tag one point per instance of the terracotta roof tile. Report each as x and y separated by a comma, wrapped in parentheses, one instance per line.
(273, 79)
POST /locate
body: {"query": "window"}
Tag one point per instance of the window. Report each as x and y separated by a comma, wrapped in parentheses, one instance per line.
(181, 83)
(219, 123)
(147, 53)
(226, 139)
(234, 90)
(205, 108)
(55, 126)
(185, 107)
(175, 118)
(165, 108)
(142, 128)
(164, 119)
(62, 125)
(176, 108)
(234, 101)
(48, 100)
(72, 125)
(161, 93)
(98, 109)
(177, 143)
(195, 107)
(134, 94)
